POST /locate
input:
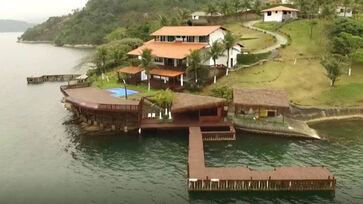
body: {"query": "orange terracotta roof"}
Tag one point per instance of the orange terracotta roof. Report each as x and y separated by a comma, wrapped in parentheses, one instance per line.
(175, 50)
(186, 30)
(165, 72)
(131, 70)
(280, 8)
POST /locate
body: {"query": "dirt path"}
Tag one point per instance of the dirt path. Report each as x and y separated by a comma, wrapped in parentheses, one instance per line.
(280, 39)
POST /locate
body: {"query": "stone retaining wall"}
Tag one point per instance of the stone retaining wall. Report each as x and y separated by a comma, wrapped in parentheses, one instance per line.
(312, 113)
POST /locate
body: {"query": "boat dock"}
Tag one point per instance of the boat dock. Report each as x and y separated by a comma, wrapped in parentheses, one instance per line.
(202, 178)
(55, 78)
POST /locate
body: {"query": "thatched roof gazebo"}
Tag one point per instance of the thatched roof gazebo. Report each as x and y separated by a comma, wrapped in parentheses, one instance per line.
(189, 102)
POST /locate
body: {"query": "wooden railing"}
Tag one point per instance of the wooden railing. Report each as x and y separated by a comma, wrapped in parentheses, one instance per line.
(261, 185)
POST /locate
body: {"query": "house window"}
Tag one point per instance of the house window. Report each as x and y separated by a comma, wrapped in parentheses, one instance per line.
(284, 12)
(203, 39)
(190, 39)
(269, 13)
(171, 38)
(162, 39)
(159, 59)
(276, 11)
(289, 12)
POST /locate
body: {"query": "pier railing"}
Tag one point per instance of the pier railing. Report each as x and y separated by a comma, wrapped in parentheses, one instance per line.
(261, 185)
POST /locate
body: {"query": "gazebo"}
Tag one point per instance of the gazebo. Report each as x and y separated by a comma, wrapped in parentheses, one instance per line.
(260, 102)
(132, 73)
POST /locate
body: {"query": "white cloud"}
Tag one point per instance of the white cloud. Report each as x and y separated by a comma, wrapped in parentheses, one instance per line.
(35, 10)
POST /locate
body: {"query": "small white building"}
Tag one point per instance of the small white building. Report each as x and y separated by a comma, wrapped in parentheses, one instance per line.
(279, 14)
(201, 14)
(344, 12)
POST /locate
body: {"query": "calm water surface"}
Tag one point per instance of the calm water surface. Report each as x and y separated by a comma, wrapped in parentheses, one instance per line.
(44, 158)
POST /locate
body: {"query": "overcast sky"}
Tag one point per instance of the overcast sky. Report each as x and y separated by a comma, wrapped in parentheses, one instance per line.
(37, 10)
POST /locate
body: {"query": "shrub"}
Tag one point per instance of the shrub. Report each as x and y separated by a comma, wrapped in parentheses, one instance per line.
(251, 58)
(223, 92)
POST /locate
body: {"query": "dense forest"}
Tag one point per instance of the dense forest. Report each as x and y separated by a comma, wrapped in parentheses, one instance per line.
(100, 17)
(101, 21)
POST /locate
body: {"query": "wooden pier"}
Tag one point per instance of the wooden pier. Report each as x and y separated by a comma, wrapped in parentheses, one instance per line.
(202, 178)
(53, 78)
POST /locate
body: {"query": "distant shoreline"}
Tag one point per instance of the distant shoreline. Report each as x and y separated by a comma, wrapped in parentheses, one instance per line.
(79, 46)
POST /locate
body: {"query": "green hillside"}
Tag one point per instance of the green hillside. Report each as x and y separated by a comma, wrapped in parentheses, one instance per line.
(100, 17)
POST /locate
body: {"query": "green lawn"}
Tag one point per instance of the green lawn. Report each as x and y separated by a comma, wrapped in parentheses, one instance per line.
(250, 39)
(268, 25)
(305, 81)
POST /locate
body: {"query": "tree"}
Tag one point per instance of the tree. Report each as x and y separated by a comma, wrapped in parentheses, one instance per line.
(164, 98)
(333, 66)
(312, 24)
(246, 4)
(229, 42)
(101, 59)
(215, 51)
(183, 16)
(164, 21)
(257, 5)
(236, 4)
(211, 9)
(194, 61)
(224, 7)
(147, 62)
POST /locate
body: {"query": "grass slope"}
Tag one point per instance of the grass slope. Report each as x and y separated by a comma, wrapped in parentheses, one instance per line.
(305, 81)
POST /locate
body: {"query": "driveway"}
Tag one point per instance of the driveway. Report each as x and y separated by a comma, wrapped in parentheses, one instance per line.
(280, 39)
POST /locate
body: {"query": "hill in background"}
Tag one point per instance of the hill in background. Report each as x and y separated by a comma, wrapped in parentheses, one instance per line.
(100, 17)
(14, 26)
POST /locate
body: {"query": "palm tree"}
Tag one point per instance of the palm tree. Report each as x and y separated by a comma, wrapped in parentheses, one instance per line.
(229, 42)
(183, 16)
(147, 62)
(215, 51)
(194, 61)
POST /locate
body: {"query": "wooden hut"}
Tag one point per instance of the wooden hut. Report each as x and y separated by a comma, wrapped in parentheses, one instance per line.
(260, 102)
(132, 74)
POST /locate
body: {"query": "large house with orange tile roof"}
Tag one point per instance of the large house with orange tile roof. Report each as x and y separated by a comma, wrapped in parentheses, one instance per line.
(172, 45)
(279, 14)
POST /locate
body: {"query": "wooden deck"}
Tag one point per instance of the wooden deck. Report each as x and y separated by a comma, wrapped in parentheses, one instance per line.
(201, 178)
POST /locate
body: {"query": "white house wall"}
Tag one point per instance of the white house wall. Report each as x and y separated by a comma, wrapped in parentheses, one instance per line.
(217, 35)
(279, 16)
(223, 60)
(275, 17)
(340, 12)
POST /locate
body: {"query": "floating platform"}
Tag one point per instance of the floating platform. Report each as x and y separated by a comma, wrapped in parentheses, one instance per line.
(202, 178)
(53, 78)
